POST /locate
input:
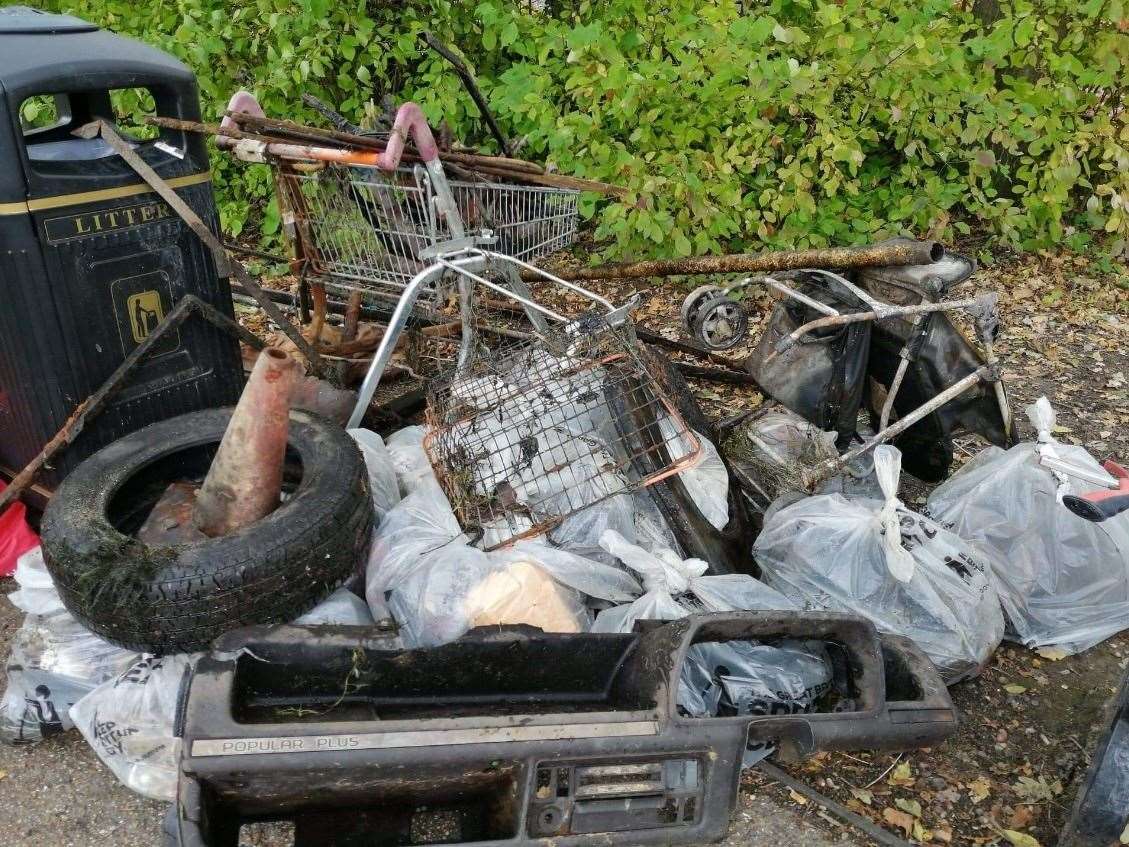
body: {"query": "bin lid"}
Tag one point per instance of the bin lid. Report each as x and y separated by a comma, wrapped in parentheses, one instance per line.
(22, 19)
(50, 54)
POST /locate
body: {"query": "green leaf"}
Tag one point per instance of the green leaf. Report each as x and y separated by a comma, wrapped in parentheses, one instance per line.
(911, 806)
(1019, 839)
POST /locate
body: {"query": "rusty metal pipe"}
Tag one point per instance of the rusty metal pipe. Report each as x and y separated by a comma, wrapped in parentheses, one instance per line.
(898, 252)
(244, 482)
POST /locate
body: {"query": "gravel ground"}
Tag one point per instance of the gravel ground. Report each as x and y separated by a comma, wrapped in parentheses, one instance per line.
(57, 793)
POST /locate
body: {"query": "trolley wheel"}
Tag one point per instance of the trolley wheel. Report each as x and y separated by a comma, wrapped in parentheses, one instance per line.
(720, 323)
(693, 301)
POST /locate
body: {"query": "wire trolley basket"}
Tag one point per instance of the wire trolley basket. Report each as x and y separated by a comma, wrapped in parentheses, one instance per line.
(362, 228)
(526, 437)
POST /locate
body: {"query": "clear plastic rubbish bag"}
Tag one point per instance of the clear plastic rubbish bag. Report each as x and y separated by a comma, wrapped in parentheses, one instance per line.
(590, 578)
(129, 721)
(383, 483)
(429, 600)
(674, 588)
(652, 532)
(707, 481)
(437, 587)
(726, 678)
(720, 678)
(420, 524)
(1063, 580)
(580, 533)
(54, 663)
(409, 459)
(461, 587)
(903, 571)
(775, 449)
(522, 592)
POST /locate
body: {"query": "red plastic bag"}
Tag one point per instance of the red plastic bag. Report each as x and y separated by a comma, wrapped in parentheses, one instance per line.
(16, 537)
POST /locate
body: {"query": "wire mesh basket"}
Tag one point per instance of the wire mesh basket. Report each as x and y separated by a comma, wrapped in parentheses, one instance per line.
(363, 228)
(525, 437)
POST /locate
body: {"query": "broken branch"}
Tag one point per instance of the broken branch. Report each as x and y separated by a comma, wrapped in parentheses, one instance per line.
(465, 75)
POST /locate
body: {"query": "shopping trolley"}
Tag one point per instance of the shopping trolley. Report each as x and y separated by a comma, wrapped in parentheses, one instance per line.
(523, 437)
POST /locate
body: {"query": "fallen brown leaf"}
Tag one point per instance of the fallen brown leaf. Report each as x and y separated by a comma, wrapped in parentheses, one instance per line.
(902, 820)
(1021, 818)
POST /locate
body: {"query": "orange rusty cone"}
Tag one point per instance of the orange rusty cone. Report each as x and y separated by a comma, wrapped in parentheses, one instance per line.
(245, 480)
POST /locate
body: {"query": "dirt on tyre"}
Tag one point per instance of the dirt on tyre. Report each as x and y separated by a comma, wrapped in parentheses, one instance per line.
(179, 598)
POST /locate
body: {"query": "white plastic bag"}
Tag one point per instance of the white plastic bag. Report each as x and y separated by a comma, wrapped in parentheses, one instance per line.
(422, 570)
(878, 559)
(674, 588)
(383, 483)
(409, 458)
(54, 662)
(129, 723)
(707, 480)
(36, 594)
(1063, 580)
(341, 608)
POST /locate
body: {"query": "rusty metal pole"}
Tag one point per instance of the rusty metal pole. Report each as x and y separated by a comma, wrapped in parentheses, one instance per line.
(245, 480)
(890, 253)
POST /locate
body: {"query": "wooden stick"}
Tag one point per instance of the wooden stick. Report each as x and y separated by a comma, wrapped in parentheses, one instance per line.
(352, 316)
(556, 181)
(717, 375)
(309, 133)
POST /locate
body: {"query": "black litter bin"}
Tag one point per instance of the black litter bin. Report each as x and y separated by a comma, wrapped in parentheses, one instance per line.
(90, 258)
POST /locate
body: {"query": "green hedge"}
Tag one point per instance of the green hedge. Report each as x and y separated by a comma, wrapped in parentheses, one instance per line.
(790, 122)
